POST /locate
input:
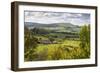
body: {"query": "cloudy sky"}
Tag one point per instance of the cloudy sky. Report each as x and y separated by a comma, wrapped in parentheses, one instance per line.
(57, 17)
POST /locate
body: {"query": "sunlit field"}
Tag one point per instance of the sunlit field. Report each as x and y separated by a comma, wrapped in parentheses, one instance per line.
(68, 49)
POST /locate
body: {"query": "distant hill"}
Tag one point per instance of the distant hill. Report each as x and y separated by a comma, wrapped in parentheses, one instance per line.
(58, 27)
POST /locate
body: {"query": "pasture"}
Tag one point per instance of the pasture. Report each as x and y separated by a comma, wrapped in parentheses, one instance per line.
(68, 49)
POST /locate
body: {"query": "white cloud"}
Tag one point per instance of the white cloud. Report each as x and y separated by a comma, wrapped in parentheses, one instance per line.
(54, 17)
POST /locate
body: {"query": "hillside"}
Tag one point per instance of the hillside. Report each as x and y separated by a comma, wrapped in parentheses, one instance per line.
(57, 27)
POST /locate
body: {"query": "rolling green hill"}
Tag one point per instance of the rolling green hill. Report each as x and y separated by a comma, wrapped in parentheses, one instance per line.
(57, 27)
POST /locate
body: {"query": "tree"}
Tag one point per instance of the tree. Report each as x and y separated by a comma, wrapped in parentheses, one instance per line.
(30, 42)
(85, 39)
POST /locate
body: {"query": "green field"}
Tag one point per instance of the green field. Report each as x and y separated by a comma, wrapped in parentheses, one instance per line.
(69, 49)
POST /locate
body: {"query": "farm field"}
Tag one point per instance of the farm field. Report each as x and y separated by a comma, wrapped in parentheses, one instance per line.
(69, 49)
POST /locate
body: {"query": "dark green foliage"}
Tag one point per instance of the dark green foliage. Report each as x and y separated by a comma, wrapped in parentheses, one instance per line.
(30, 42)
(85, 39)
(39, 31)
